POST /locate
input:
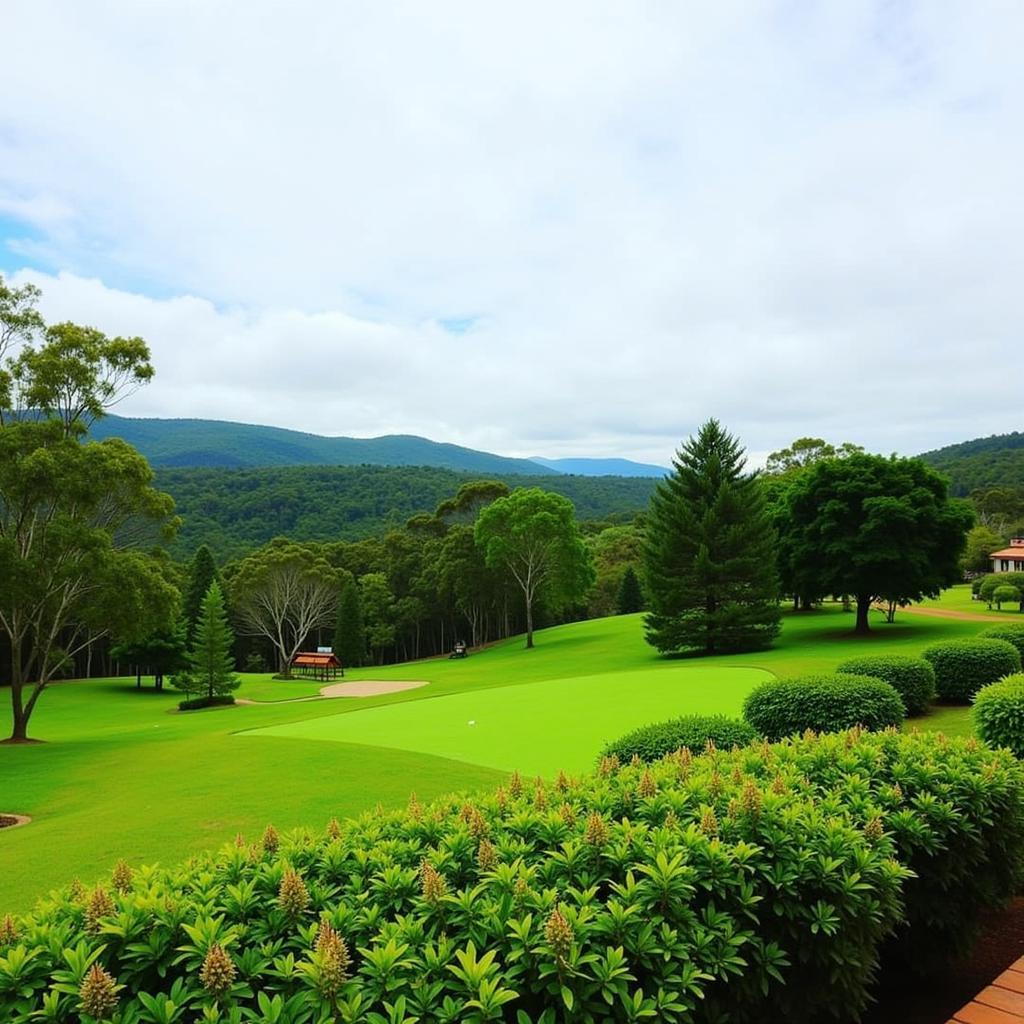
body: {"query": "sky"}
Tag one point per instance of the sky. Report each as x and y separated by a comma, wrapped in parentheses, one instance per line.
(561, 229)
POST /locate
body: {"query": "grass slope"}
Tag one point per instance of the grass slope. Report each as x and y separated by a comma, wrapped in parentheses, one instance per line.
(123, 775)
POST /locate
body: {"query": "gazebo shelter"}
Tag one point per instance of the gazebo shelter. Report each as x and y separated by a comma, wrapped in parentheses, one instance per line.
(319, 665)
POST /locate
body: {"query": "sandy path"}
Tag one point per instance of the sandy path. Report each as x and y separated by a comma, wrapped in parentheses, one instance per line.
(370, 687)
(949, 613)
(357, 688)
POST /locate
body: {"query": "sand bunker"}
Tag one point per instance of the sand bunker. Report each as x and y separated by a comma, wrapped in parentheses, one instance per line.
(370, 687)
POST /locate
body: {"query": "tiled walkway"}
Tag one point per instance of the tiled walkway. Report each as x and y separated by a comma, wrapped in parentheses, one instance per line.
(1001, 1003)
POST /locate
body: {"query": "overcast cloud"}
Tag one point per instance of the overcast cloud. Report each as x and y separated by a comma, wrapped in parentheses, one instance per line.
(558, 228)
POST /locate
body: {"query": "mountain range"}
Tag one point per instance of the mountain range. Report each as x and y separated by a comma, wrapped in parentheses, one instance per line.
(188, 443)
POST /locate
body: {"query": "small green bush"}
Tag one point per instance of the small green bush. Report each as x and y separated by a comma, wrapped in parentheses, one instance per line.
(990, 583)
(653, 742)
(197, 703)
(912, 678)
(753, 884)
(963, 667)
(1011, 632)
(1005, 595)
(999, 713)
(824, 703)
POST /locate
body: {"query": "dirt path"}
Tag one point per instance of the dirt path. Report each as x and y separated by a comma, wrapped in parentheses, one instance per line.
(949, 613)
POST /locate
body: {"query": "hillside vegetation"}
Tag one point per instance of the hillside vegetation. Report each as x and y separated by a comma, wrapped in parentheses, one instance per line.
(234, 510)
(996, 461)
(176, 442)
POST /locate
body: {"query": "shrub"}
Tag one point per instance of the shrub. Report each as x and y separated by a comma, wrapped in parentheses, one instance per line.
(999, 713)
(824, 703)
(754, 884)
(1011, 632)
(652, 742)
(1005, 594)
(962, 667)
(196, 703)
(912, 678)
(992, 582)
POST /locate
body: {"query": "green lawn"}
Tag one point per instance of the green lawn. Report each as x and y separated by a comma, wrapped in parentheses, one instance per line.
(538, 727)
(121, 774)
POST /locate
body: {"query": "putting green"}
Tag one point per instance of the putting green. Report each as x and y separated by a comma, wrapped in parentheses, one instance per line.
(537, 728)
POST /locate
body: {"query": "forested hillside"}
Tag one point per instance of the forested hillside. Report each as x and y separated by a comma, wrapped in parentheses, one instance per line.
(996, 461)
(234, 510)
(218, 443)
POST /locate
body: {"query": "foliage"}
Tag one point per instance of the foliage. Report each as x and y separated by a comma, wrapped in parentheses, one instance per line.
(237, 510)
(912, 678)
(981, 541)
(962, 667)
(283, 592)
(349, 631)
(533, 535)
(653, 742)
(877, 528)
(999, 713)
(1006, 594)
(77, 521)
(211, 662)
(378, 605)
(630, 597)
(710, 555)
(823, 703)
(993, 581)
(615, 550)
(201, 574)
(644, 892)
(1012, 632)
(159, 654)
(805, 452)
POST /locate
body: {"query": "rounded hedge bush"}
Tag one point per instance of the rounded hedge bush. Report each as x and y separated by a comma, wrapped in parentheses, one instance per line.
(999, 713)
(637, 889)
(1011, 632)
(963, 667)
(652, 742)
(912, 678)
(1005, 595)
(824, 703)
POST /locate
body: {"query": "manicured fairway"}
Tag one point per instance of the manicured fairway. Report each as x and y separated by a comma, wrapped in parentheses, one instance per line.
(537, 728)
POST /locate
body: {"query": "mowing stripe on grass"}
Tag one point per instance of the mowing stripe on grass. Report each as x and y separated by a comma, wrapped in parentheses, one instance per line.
(537, 728)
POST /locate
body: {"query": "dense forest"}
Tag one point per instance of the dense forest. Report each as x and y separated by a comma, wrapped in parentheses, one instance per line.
(235, 510)
(996, 461)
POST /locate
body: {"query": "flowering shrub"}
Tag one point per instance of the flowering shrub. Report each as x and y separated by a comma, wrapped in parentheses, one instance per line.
(758, 884)
(652, 742)
(824, 703)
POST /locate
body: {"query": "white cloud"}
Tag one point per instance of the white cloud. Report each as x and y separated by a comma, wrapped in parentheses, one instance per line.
(800, 219)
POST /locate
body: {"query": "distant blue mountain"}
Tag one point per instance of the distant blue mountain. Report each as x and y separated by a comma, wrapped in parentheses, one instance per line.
(601, 467)
(217, 443)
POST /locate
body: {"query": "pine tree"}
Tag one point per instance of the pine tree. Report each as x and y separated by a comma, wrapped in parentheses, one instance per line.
(212, 663)
(710, 553)
(630, 598)
(202, 573)
(349, 633)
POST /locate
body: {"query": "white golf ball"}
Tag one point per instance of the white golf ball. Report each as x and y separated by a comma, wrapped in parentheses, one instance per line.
(472, 722)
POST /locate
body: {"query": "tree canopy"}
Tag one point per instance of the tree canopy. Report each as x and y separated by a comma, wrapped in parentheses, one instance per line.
(76, 519)
(534, 535)
(875, 527)
(710, 552)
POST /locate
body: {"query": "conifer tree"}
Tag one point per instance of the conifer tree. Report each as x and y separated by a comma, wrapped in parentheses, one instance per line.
(211, 661)
(202, 573)
(710, 553)
(350, 632)
(630, 598)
